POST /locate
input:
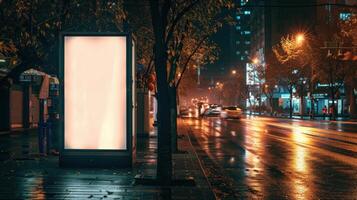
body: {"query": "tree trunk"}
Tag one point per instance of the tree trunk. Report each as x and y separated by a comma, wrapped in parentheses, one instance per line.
(332, 96)
(352, 104)
(271, 105)
(312, 99)
(302, 105)
(173, 117)
(291, 103)
(164, 157)
(312, 108)
(332, 91)
(260, 99)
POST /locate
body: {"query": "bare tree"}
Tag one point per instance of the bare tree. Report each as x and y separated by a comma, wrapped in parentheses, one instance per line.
(295, 56)
(170, 22)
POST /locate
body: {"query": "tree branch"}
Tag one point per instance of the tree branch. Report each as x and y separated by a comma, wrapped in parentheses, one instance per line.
(178, 18)
(154, 10)
(175, 58)
(150, 66)
(189, 58)
(164, 12)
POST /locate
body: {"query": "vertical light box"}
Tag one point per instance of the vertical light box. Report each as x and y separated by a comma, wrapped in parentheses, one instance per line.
(98, 96)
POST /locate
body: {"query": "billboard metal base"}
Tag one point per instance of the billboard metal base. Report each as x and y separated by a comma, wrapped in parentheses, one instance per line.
(99, 161)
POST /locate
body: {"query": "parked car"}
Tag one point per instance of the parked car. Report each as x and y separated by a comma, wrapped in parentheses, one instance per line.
(231, 112)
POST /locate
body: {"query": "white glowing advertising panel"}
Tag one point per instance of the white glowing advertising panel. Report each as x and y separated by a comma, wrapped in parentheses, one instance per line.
(95, 100)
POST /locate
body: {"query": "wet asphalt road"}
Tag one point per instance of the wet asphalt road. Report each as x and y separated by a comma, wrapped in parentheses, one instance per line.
(280, 158)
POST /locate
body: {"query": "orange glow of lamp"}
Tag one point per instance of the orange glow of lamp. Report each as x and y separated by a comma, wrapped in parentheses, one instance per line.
(95, 101)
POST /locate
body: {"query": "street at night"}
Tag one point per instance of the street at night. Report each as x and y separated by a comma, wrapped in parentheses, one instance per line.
(178, 99)
(267, 158)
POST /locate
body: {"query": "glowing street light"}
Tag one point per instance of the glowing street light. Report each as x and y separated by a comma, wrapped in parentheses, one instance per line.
(255, 60)
(300, 38)
(234, 72)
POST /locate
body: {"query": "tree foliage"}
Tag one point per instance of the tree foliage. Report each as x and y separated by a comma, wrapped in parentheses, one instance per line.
(171, 23)
(234, 91)
(189, 25)
(32, 27)
(295, 55)
(332, 67)
(295, 58)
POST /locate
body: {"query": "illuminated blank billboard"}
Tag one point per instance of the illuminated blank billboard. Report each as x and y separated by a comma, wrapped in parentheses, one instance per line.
(95, 92)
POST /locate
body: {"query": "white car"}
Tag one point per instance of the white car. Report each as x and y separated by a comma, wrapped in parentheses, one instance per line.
(213, 111)
(231, 112)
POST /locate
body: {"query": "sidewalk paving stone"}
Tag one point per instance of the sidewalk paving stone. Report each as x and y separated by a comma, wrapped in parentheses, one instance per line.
(26, 175)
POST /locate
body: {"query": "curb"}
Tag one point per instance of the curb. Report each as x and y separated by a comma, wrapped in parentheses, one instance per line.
(304, 119)
(201, 165)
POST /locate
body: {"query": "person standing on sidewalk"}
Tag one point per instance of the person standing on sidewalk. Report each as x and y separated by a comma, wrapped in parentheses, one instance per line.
(331, 112)
(324, 112)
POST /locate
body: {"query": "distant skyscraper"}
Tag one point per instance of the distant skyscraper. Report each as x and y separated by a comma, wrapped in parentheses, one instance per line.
(234, 44)
(243, 34)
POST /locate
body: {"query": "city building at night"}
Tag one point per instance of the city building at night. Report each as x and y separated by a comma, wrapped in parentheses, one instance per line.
(178, 99)
(269, 24)
(243, 35)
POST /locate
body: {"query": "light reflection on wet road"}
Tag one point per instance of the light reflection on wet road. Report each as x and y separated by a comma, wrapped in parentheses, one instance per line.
(280, 158)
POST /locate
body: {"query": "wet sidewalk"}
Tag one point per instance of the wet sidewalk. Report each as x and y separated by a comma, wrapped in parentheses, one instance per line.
(26, 175)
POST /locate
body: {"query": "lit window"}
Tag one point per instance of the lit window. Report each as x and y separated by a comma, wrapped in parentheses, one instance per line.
(238, 27)
(247, 32)
(247, 12)
(237, 52)
(246, 52)
(242, 58)
(238, 17)
(247, 42)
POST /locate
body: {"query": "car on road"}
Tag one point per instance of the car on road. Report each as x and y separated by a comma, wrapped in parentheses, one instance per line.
(190, 111)
(231, 112)
(212, 111)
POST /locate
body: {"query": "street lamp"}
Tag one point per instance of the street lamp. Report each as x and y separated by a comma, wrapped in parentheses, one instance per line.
(234, 72)
(300, 38)
(255, 61)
